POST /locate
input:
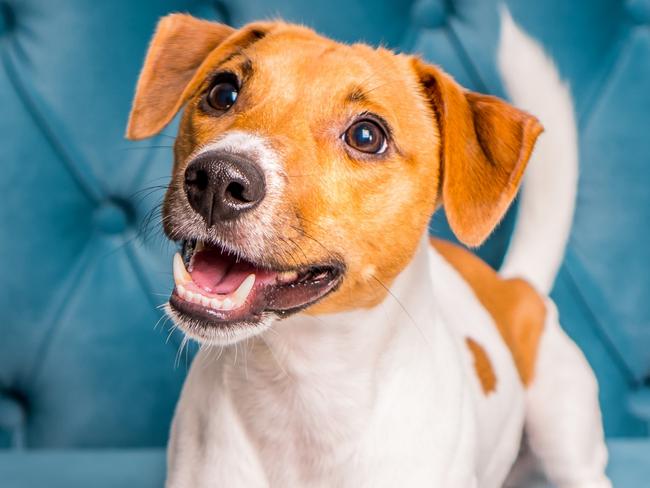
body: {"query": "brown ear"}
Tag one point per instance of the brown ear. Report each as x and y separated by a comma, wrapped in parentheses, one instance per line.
(485, 146)
(178, 47)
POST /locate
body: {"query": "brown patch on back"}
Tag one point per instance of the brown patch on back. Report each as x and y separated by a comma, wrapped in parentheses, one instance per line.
(483, 366)
(517, 309)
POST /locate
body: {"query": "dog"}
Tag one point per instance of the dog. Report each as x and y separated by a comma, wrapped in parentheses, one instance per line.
(340, 345)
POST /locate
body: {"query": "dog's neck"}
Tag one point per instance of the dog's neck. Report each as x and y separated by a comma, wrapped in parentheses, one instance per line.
(345, 340)
(311, 371)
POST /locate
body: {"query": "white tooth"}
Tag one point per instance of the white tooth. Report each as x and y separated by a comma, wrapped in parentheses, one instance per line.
(215, 303)
(227, 304)
(199, 246)
(244, 289)
(205, 301)
(181, 276)
(190, 296)
(180, 289)
(288, 276)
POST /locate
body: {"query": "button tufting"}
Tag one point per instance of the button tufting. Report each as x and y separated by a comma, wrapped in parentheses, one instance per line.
(429, 14)
(6, 18)
(639, 11)
(112, 216)
(12, 410)
(639, 403)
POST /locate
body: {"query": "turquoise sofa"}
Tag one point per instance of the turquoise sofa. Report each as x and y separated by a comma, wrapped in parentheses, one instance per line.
(89, 372)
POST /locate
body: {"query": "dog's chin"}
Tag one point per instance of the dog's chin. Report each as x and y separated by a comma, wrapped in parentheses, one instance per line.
(213, 333)
(221, 298)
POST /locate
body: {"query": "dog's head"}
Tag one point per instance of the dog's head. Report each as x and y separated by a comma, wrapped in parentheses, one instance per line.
(305, 170)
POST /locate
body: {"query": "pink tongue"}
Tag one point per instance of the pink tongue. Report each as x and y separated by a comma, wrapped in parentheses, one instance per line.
(218, 273)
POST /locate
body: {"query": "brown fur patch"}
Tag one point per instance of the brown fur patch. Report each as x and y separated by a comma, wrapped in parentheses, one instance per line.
(483, 366)
(517, 309)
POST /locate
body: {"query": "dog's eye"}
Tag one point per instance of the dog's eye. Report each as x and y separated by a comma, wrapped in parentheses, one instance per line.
(223, 93)
(366, 136)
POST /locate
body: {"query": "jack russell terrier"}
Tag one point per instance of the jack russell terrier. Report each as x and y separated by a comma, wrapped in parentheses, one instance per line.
(341, 346)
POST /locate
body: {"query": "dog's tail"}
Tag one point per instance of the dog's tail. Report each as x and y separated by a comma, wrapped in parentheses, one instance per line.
(549, 189)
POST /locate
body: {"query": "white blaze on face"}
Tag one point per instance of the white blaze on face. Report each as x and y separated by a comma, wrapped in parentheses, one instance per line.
(257, 150)
(260, 223)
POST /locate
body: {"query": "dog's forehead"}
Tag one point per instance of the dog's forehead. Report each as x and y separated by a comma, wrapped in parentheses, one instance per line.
(296, 82)
(301, 58)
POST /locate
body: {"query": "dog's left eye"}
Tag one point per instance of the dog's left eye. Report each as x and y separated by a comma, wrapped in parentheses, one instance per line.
(366, 136)
(223, 93)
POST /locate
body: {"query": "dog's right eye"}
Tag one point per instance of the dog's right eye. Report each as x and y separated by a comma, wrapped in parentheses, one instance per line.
(367, 136)
(223, 93)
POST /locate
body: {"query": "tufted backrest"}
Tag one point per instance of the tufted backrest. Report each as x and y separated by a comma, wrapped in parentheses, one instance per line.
(82, 362)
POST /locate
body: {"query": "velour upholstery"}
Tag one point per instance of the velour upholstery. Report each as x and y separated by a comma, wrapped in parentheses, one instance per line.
(87, 361)
(145, 468)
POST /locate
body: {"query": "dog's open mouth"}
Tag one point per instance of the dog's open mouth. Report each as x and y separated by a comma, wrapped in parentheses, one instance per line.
(218, 288)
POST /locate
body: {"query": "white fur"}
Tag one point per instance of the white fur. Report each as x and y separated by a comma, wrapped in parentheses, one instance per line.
(383, 398)
(550, 183)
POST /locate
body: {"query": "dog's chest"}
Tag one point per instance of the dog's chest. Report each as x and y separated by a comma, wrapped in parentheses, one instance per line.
(331, 424)
(305, 427)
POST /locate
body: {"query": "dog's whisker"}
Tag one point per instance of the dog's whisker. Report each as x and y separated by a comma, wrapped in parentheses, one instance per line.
(329, 253)
(142, 148)
(245, 352)
(163, 318)
(291, 253)
(272, 351)
(367, 91)
(162, 134)
(143, 193)
(187, 353)
(179, 353)
(401, 305)
(299, 248)
(304, 219)
(221, 348)
(171, 331)
(158, 178)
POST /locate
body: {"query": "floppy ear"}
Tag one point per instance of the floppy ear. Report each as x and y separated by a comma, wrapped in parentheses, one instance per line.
(179, 46)
(485, 146)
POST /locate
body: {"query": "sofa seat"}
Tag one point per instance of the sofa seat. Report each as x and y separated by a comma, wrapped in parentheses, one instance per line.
(145, 468)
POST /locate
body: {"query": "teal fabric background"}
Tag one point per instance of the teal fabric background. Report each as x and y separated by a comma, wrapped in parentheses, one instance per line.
(83, 365)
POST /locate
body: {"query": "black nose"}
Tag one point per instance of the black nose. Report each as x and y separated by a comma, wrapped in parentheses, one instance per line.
(222, 186)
